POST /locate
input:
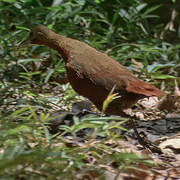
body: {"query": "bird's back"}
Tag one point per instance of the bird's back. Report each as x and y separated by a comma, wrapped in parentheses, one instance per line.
(104, 71)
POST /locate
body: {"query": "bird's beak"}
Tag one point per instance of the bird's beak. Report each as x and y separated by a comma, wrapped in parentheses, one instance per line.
(24, 44)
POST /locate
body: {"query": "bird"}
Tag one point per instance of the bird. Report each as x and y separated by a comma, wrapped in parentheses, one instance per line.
(93, 74)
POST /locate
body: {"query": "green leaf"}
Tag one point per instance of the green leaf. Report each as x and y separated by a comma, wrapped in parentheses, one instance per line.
(149, 10)
(81, 2)
(163, 77)
(124, 13)
(22, 28)
(141, 6)
(155, 67)
(10, 1)
(109, 99)
(28, 60)
(30, 73)
(47, 135)
(18, 112)
(20, 128)
(49, 73)
(115, 17)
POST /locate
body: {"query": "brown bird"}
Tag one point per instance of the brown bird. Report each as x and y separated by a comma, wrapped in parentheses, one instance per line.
(93, 74)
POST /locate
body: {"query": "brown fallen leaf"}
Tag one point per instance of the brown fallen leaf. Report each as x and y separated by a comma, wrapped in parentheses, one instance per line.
(171, 102)
(137, 65)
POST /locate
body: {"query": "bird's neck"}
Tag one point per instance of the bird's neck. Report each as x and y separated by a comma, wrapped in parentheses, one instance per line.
(58, 43)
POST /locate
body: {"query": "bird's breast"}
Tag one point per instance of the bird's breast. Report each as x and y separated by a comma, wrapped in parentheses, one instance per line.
(84, 85)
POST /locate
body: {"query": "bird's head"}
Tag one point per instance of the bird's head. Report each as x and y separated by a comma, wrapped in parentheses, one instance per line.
(38, 35)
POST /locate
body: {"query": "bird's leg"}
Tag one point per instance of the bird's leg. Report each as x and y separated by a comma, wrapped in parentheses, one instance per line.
(139, 137)
(144, 142)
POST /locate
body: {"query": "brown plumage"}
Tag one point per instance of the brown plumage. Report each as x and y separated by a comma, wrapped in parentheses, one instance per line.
(93, 74)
